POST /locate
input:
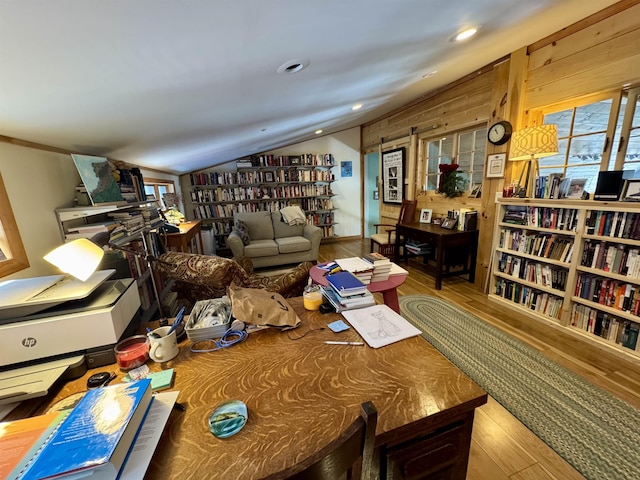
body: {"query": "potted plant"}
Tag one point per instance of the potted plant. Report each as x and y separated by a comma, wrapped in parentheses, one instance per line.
(452, 182)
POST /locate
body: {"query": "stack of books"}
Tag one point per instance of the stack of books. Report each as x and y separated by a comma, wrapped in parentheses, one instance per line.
(356, 265)
(93, 439)
(345, 291)
(381, 266)
(417, 248)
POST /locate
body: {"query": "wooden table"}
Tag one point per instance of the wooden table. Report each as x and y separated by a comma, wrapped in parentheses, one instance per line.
(182, 240)
(443, 240)
(387, 287)
(302, 393)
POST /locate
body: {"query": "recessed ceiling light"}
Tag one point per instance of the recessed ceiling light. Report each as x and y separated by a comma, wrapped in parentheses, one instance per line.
(293, 66)
(430, 74)
(357, 106)
(318, 132)
(463, 35)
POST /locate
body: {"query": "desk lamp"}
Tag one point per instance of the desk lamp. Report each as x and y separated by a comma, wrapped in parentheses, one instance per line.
(81, 257)
(529, 144)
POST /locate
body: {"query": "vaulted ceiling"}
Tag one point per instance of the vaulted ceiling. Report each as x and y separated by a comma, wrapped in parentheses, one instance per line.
(186, 84)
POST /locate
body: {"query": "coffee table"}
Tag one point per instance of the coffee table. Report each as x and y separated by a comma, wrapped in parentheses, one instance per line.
(386, 287)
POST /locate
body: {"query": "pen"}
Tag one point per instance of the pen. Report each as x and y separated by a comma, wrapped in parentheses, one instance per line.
(329, 342)
(177, 321)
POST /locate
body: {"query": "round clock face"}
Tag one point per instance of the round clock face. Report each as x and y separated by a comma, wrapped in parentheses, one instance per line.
(499, 133)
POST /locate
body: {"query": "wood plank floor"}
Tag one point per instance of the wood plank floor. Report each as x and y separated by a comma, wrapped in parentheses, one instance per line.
(502, 447)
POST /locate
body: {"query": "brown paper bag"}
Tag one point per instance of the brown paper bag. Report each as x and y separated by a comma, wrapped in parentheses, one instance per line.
(261, 307)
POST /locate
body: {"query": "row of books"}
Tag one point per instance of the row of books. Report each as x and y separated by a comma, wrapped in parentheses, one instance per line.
(607, 326)
(286, 160)
(543, 217)
(255, 177)
(75, 442)
(535, 272)
(552, 246)
(615, 258)
(531, 298)
(226, 194)
(609, 292)
(614, 224)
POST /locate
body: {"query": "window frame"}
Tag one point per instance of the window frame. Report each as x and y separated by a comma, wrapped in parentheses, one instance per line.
(155, 183)
(10, 238)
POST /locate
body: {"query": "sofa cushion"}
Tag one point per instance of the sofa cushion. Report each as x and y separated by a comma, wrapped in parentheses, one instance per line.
(261, 248)
(293, 244)
(282, 229)
(259, 224)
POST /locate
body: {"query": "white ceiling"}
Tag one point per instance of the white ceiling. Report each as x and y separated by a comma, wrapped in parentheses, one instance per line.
(182, 85)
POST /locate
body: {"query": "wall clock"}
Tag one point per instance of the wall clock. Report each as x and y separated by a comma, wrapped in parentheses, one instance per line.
(499, 133)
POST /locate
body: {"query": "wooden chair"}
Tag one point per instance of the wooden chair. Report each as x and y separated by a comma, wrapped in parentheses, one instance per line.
(338, 457)
(386, 240)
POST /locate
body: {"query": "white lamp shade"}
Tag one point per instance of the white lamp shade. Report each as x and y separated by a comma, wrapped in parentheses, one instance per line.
(79, 258)
(534, 142)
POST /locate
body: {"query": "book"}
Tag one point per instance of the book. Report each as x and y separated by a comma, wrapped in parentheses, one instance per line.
(346, 283)
(21, 440)
(342, 304)
(95, 438)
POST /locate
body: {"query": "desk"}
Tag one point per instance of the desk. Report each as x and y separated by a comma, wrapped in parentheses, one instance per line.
(442, 239)
(182, 240)
(301, 394)
(387, 287)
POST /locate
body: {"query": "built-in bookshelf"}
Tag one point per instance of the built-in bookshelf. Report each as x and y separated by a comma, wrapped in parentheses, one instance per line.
(130, 225)
(573, 264)
(265, 183)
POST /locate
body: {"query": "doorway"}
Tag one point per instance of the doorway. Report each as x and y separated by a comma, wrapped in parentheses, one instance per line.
(371, 194)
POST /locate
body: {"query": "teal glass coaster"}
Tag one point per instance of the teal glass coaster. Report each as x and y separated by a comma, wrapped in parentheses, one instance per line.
(228, 418)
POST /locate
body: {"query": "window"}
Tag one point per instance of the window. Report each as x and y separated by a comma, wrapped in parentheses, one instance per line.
(13, 257)
(595, 134)
(158, 188)
(466, 148)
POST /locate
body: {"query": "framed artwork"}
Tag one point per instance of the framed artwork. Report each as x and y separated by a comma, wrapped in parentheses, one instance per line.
(449, 223)
(476, 191)
(393, 176)
(495, 165)
(98, 179)
(346, 169)
(576, 188)
(425, 215)
(268, 176)
(631, 190)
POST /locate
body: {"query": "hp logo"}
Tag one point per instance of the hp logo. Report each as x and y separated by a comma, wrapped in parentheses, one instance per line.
(29, 342)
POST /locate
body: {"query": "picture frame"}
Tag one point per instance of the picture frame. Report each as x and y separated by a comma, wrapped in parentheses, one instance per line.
(495, 165)
(425, 215)
(576, 188)
(346, 169)
(449, 223)
(476, 191)
(393, 176)
(268, 177)
(631, 190)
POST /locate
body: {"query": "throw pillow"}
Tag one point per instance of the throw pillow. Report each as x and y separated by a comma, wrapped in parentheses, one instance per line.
(243, 231)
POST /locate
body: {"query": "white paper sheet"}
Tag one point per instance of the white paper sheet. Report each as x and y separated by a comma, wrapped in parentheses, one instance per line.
(379, 325)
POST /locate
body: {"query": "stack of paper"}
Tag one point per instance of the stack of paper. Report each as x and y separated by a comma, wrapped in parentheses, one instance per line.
(356, 265)
(379, 325)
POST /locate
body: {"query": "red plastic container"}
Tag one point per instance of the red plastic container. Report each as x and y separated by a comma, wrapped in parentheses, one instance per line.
(132, 352)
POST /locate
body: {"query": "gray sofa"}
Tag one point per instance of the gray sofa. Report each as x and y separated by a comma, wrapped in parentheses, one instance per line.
(273, 242)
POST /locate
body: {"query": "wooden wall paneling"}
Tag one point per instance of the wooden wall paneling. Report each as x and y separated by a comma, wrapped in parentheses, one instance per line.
(554, 48)
(604, 56)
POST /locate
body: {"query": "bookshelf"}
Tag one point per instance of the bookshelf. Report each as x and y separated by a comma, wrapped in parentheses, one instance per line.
(572, 264)
(265, 182)
(129, 225)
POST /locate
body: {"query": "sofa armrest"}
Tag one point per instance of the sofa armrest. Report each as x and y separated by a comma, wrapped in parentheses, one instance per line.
(314, 235)
(234, 242)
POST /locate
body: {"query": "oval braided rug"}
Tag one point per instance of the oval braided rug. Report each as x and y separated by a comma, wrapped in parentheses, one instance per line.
(591, 429)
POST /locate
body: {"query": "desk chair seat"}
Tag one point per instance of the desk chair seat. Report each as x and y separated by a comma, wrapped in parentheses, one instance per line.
(337, 459)
(385, 237)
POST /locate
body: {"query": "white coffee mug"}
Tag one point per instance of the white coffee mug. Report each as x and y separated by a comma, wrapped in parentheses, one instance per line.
(163, 347)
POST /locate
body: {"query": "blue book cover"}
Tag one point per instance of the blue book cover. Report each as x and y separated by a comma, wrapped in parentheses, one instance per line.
(346, 283)
(97, 433)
